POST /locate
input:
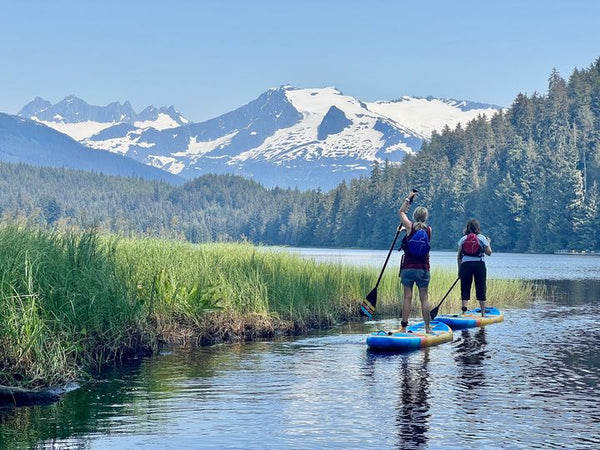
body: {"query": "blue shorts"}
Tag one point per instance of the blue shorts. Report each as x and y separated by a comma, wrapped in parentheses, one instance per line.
(410, 276)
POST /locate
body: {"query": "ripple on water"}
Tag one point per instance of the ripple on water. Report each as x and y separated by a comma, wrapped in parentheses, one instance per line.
(529, 382)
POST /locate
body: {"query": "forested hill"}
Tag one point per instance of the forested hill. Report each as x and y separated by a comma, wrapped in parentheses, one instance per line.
(530, 174)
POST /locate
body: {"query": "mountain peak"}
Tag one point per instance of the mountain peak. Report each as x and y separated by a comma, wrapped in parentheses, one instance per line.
(34, 106)
(72, 109)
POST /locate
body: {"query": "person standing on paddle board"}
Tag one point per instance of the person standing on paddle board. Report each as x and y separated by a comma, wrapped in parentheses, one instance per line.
(472, 248)
(414, 268)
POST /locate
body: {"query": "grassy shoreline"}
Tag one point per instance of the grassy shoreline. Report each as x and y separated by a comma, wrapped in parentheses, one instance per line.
(71, 302)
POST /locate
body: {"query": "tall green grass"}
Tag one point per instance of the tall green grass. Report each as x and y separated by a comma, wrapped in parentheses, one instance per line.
(70, 302)
(500, 293)
(62, 305)
(240, 279)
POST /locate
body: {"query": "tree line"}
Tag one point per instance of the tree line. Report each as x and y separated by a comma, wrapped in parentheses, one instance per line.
(529, 174)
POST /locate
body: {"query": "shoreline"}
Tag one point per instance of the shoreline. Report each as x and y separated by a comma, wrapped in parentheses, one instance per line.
(74, 302)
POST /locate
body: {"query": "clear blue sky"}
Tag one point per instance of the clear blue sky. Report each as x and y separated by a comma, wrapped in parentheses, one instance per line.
(209, 57)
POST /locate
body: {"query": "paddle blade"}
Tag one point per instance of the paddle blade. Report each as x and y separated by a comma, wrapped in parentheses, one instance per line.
(434, 312)
(367, 307)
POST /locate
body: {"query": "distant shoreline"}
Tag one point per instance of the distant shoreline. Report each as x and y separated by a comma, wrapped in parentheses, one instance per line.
(577, 253)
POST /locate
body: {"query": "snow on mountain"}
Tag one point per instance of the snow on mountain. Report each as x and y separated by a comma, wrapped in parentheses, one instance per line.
(331, 126)
(30, 142)
(287, 136)
(78, 119)
(424, 115)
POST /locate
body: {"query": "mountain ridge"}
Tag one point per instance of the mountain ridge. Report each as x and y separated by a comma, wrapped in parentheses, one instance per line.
(287, 136)
(27, 141)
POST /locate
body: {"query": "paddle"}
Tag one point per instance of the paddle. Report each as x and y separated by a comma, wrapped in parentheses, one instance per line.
(367, 307)
(434, 311)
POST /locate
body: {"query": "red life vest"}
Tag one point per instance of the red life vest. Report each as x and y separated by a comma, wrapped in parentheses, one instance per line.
(472, 246)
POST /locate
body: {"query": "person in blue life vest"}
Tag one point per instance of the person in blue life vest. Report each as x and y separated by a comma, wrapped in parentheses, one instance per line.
(414, 268)
(472, 248)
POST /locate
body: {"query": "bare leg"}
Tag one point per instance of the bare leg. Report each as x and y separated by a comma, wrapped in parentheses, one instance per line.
(464, 306)
(406, 306)
(424, 296)
(482, 305)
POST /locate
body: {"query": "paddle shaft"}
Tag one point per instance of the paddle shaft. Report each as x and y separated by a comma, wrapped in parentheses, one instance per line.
(434, 310)
(388, 257)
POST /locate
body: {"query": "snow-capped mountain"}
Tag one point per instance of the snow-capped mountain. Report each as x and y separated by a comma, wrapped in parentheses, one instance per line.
(425, 115)
(80, 120)
(26, 141)
(287, 137)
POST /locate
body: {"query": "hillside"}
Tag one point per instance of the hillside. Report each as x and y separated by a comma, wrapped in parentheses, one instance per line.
(26, 141)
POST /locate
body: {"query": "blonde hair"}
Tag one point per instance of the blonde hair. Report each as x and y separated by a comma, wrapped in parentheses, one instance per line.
(419, 218)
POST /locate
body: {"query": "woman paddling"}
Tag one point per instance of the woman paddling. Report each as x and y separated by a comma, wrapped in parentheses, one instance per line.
(414, 268)
(472, 248)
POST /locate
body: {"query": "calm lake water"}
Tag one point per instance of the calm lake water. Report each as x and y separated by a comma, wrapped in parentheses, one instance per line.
(499, 265)
(529, 382)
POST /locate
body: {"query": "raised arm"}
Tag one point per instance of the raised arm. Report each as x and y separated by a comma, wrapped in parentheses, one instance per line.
(404, 209)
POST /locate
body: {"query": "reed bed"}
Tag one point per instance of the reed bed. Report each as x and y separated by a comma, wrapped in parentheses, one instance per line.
(500, 293)
(74, 301)
(63, 306)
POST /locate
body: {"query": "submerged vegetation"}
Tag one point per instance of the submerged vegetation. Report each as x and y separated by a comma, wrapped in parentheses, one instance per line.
(74, 301)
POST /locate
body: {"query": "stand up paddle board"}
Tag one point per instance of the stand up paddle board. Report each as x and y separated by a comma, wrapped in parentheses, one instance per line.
(414, 338)
(472, 318)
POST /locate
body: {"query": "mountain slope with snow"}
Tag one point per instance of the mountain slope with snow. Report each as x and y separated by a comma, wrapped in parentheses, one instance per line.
(78, 119)
(26, 141)
(288, 137)
(425, 115)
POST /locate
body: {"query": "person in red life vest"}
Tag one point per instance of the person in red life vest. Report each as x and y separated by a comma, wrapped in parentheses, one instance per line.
(414, 268)
(472, 248)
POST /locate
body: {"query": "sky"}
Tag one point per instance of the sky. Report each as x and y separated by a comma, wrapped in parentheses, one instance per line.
(207, 58)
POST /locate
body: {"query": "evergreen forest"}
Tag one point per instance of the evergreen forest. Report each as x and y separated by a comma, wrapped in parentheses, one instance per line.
(530, 174)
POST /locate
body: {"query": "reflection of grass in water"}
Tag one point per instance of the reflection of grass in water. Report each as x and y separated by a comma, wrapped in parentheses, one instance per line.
(74, 301)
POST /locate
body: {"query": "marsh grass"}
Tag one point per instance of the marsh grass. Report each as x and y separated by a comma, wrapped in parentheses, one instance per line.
(62, 306)
(501, 293)
(74, 301)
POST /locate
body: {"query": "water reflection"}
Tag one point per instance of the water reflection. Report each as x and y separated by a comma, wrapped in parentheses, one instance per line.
(134, 395)
(470, 354)
(413, 410)
(411, 384)
(78, 413)
(529, 382)
(574, 292)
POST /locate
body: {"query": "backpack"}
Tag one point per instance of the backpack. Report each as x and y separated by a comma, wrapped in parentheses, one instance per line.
(418, 245)
(472, 246)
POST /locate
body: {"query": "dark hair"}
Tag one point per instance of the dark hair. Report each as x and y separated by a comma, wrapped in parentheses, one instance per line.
(473, 227)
